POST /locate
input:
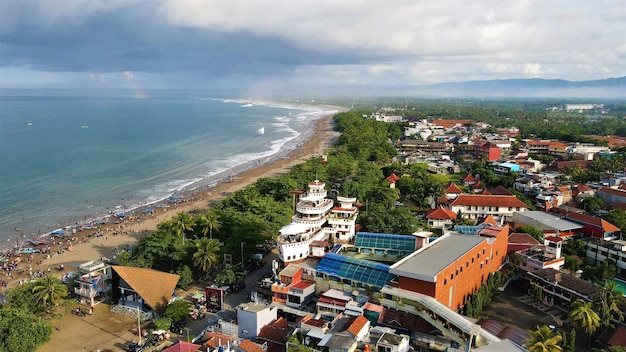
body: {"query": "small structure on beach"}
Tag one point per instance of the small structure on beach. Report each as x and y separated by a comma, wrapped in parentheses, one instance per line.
(93, 283)
(142, 289)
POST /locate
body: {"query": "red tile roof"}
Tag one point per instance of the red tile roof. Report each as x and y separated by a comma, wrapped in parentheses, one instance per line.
(393, 178)
(276, 331)
(618, 338)
(182, 346)
(451, 123)
(301, 285)
(468, 178)
(500, 191)
(355, 325)
(441, 213)
(554, 239)
(451, 187)
(250, 346)
(488, 201)
(593, 221)
(611, 191)
(522, 238)
(490, 220)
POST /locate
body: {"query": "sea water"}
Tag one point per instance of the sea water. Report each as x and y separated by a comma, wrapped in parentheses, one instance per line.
(69, 158)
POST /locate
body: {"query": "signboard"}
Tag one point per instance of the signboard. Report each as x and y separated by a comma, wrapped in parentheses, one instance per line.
(214, 298)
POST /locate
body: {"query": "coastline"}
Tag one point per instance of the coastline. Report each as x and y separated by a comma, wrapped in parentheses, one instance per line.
(94, 244)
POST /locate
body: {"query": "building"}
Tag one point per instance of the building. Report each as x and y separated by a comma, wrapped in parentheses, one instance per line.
(547, 223)
(440, 217)
(252, 317)
(333, 302)
(594, 226)
(474, 206)
(488, 150)
(599, 250)
(141, 289)
(291, 290)
(561, 288)
(453, 266)
(548, 256)
(93, 284)
(612, 196)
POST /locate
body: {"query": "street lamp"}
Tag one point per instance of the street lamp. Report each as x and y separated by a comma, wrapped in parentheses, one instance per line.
(242, 243)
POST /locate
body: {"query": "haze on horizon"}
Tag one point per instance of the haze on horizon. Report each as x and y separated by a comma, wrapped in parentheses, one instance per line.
(279, 46)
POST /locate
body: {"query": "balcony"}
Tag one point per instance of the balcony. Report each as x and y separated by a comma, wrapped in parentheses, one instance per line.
(83, 292)
(280, 288)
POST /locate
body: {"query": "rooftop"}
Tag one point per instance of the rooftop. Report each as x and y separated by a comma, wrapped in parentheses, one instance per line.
(426, 263)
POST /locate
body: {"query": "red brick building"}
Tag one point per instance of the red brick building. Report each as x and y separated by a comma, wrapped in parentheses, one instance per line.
(453, 266)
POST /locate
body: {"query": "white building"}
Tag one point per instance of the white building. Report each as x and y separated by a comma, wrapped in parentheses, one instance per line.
(252, 317)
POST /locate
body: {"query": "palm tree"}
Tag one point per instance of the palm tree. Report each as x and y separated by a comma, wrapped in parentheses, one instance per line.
(583, 316)
(206, 254)
(49, 290)
(182, 223)
(209, 222)
(543, 340)
(607, 304)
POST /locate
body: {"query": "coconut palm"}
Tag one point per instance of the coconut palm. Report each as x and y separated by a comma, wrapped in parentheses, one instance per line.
(543, 340)
(206, 254)
(607, 304)
(583, 316)
(182, 223)
(49, 290)
(209, 222)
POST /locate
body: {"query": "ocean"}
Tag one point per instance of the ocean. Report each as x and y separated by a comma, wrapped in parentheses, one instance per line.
(69, 158)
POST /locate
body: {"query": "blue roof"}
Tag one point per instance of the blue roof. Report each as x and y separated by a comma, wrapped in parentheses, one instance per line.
(385, 241)
(359, 270)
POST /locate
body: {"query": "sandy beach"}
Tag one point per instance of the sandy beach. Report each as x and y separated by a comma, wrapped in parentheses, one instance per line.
(104, 241)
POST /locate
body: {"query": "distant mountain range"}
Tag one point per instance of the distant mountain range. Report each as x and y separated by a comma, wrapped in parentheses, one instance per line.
(535, 87)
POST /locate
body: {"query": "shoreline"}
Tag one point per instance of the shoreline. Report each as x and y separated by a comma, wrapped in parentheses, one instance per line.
(103, 242)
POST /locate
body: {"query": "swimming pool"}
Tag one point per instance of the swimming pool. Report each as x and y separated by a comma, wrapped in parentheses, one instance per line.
(621, 285)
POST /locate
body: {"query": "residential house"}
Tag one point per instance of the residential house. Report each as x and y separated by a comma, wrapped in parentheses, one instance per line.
(440, 217)
(291, 290)
(452, 190)
(474, 206)
(93, 283)
(612, 196)
(275, 335)
(252, 316)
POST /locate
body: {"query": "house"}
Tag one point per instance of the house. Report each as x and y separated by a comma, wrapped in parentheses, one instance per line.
(142, 289)
(183, 346)
(212, 340)
(251, 317)
(612, 196)
(547, 256)
(93, 283)
(468, 179)
(389, 342)
(392, 179)
(333, 302)
(440, 217)
(473, 206)
(249, 346)
(453, 266)
(275, 335)
(452, 190)
(357, 326)
(291, 290)
(339, 343)
(488, 150)
(594, 226)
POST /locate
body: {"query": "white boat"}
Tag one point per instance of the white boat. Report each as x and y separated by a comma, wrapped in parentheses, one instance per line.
(316, 223)
(261, 130)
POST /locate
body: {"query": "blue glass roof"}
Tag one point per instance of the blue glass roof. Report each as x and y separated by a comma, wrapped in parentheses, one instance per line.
(359, 270)
(385, 241)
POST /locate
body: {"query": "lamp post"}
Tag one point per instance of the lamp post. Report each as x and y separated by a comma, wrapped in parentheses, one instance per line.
(242, 243)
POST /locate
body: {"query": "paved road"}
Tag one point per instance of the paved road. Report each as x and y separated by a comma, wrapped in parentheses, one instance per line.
(233, 299)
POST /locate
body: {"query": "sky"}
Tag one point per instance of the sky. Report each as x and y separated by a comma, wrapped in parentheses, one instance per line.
(265, 45)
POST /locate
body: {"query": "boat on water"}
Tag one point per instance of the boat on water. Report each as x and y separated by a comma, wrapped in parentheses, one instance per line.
(316, 225)
(29, 123)
(261, 130)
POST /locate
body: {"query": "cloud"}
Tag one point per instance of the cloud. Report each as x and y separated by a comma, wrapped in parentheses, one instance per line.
(358, 41)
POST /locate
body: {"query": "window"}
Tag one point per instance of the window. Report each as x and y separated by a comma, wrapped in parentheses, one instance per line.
(451, 276)
(445, 281)
(472, 260)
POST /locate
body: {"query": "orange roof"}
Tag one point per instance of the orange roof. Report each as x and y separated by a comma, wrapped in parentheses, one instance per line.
(611, 191)
(522, 238)
(488, 201)
(393, 178)
(451, 187)
(490, 220)
(275, 331)
(182, 346)
(155, 287)
(468, 178)
(594, 221)
(450, 123)
(356, 324)
(441, 213)
(250, 346)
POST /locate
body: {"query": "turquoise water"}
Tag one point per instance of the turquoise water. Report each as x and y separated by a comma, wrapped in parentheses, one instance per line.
(621, 285)
(68, 158)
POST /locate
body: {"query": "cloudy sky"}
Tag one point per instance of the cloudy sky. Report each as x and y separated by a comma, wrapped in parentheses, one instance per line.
(265, 44)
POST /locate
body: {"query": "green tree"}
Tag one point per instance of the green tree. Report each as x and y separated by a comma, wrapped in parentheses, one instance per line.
(209, 222)
(21, 331)
(181, 223)
(21, 297)
(583, 316)
(163, 323)
(543, 339)
(616, 217)
(225, 277)
(592, 204)
(178, 310)
(607, 304)
(49, 289)
(206, 254)
(186, 277)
